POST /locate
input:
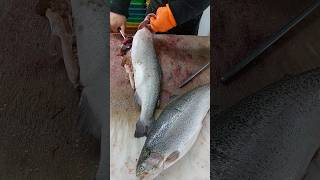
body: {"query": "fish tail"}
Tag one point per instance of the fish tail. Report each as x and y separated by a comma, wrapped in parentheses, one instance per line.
(140, 129)
(143, 127)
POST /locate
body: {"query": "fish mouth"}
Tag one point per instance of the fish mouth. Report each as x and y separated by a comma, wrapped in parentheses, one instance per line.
(141, 130)
(145, 176)
(142, 175)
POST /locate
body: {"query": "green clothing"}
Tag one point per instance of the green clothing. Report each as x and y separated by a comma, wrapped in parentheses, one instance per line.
(187, 13)
(134, 10)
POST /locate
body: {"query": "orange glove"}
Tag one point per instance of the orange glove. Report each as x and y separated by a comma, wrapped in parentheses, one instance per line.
(163, 21)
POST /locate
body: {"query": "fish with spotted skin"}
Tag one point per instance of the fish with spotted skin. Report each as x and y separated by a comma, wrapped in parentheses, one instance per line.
(147, 76)
(174, 133)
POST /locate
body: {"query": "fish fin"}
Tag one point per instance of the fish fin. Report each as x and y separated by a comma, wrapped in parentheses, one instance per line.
(137, 99)
(141, 129)
(172, 157)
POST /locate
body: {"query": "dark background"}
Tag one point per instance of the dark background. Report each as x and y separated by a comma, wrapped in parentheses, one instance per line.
(39, 133)
(239, 26)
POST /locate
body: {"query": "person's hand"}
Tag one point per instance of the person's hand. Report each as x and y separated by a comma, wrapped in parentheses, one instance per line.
(163, 20)
(117, 21)
(146, 22)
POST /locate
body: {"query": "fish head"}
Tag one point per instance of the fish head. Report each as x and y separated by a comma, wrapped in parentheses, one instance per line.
(150, 164)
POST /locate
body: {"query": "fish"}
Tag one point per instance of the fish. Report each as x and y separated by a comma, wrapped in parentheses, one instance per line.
(147, 76)
(174, 132)
(272, 134)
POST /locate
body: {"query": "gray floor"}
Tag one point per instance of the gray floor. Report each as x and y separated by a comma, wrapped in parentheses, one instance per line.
(39, 134)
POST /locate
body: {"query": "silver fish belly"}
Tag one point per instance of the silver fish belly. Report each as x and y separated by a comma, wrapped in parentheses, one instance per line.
(147, 76)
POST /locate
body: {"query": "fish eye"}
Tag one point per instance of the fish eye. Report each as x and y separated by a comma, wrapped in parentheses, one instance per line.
(141, 168)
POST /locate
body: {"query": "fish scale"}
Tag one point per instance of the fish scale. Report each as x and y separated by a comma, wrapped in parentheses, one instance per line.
(177, 127)
(147, 76)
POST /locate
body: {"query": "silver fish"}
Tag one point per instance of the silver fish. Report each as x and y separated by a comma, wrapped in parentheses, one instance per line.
(174, 133)
(147, 76)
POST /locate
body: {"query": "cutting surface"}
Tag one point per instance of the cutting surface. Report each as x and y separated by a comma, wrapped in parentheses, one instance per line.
(179, 57)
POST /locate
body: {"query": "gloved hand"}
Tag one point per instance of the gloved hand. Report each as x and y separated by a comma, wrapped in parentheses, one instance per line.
(117, 21)
(163, 20)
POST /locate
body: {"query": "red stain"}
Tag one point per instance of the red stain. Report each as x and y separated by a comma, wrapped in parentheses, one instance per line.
(169, 78)
(165, 96)
(172, 41)
(177, 71)
(187, 73)
(177, 63)
(189, 56)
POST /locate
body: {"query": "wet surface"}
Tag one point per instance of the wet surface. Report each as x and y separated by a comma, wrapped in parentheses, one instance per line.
(179, 57)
